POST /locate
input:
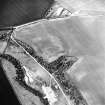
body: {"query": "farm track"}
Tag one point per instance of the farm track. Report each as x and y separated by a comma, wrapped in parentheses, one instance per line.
(58, 82)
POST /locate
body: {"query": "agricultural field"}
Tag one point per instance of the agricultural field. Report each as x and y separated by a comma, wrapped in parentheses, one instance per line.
(59, 59)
